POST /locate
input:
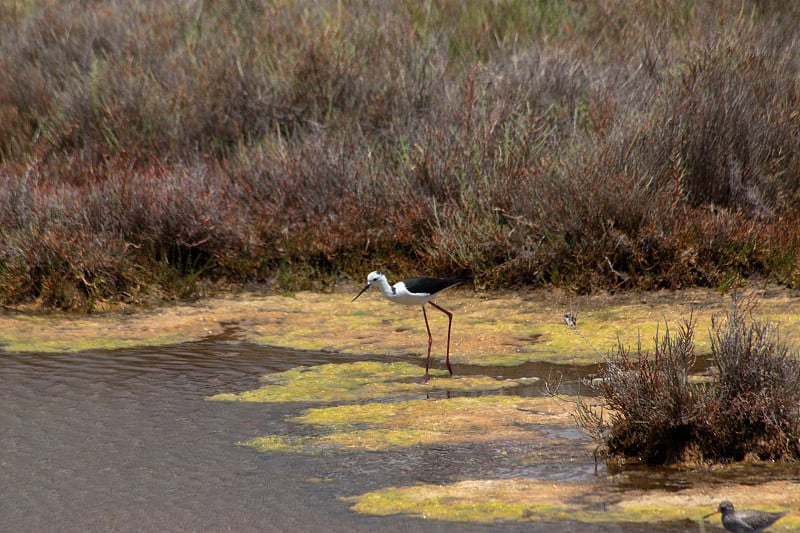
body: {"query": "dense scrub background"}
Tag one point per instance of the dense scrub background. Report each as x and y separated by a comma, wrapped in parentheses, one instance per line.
(149, 148)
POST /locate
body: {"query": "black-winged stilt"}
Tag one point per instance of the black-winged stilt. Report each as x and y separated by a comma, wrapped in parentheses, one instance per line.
(746, 520)
(417, 291)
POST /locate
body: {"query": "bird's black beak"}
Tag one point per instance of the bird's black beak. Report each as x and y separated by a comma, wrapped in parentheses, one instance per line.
(711, 514)
(367, 286)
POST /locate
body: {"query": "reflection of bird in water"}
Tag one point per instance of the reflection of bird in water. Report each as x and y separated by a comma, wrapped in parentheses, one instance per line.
(746, 521)
(417, 291)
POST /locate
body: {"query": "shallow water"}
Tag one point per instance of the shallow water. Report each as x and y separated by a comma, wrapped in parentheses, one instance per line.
(125, 440)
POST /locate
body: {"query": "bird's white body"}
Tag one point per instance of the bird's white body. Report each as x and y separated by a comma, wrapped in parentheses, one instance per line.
(398, 292)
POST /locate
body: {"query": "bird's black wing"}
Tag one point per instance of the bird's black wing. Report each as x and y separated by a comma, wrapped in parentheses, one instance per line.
(431, 285)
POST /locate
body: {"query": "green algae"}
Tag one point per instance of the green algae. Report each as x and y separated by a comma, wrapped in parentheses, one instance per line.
(524, 500)
(478, 339)
(466, 501)
(358, 381)
(506, 329)
(456, 508)
(388, 426)
(109, 330)
(276, 443)
(59, 333)
(510, 329)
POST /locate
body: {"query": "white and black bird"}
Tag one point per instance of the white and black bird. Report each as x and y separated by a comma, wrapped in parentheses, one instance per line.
(417, 291)
(747, 520)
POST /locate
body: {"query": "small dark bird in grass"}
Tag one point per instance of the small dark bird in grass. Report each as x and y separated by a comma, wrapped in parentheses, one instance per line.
(747, 520)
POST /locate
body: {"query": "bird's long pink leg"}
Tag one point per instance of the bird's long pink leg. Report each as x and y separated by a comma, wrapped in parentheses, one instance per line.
(430, 342)
(449, 325)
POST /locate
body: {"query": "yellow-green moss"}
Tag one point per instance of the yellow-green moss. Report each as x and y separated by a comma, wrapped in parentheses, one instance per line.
(386, 426)
(59, 333)
(275, 443)
(358, 381)
(529, 499)
(506, 329)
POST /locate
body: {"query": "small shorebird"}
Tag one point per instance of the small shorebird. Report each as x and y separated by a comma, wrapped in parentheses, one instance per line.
(746, 521)
(417, 291)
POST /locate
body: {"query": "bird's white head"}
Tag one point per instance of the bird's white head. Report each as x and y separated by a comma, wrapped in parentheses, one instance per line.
(372, 278)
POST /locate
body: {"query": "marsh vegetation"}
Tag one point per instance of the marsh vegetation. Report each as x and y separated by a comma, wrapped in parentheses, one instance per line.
(149, 149)
(748, 409)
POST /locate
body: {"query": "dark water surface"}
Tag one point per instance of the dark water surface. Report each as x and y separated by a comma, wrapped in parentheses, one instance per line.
(125, 441)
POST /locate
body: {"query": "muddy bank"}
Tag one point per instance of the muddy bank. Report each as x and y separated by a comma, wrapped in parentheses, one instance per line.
(491, 329)
(532, 500)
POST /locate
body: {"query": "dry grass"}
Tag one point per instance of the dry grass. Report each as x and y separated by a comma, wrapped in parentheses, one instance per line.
(152, 147)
